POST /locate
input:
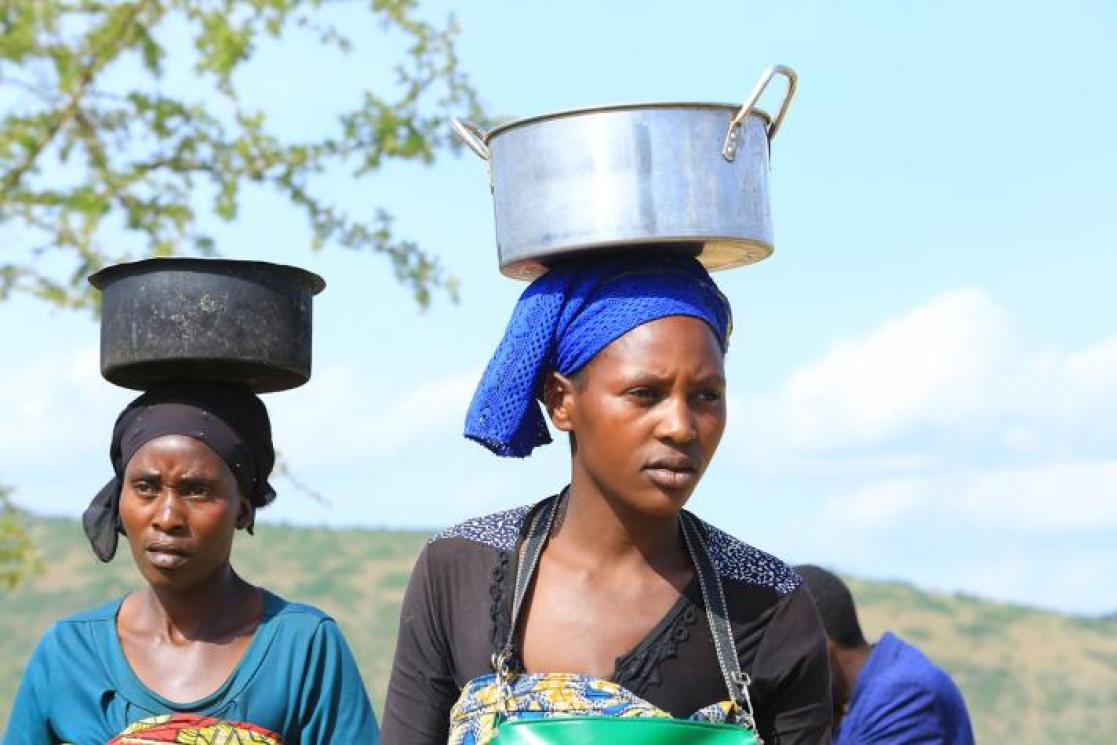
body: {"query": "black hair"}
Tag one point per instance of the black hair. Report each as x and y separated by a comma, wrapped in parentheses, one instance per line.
(578, 380)
(835, 606)
(578, 377)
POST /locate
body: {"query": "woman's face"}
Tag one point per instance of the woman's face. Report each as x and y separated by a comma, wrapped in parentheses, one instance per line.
(180, 506)
(647, 413)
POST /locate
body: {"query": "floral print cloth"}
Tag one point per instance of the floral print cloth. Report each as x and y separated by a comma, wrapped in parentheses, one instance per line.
(540, 695)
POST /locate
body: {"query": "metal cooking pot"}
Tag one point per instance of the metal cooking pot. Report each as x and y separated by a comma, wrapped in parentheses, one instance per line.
(246, 322)
(681, 176)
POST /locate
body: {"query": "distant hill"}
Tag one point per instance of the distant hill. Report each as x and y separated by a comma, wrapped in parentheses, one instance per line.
(1029, 676)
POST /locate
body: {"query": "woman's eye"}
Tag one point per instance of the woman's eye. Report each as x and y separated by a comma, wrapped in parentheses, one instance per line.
(709, 396)
(195, 490)
(643, 394)
(144, 488)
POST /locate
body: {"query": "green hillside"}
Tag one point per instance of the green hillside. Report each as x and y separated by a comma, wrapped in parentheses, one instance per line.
(1029, 676)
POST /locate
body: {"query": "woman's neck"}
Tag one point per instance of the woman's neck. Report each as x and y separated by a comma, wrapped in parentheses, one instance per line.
(847, 663)
(608, 532)
(203, 611)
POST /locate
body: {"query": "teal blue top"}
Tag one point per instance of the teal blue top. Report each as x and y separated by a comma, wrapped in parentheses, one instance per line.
(297, 679)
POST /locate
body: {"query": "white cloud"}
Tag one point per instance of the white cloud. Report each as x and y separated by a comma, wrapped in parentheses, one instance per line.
(343, 416)
(434, 408)
(877, 505)
(1094, 370)
(934, 365)
(1044, 498)
(1072, 579)
(950, 381)
(52, 405)
(944, 445)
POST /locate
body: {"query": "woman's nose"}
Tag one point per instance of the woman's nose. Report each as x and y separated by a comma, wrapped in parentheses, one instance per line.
(168, 516)
(677, 421)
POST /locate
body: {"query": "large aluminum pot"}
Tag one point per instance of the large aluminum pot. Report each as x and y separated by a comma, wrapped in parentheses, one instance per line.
(246, 322)
(666, 176)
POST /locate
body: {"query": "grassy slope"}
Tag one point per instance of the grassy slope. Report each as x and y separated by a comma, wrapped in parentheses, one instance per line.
(1027, 675)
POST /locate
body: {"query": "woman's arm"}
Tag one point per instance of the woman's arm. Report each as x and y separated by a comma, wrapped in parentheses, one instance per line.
(29, 721)
(793, 663)
(421, 690)
(333, 698)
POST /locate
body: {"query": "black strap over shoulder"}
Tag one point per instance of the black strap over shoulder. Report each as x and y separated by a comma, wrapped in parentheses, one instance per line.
(717, 613)
(528, 560)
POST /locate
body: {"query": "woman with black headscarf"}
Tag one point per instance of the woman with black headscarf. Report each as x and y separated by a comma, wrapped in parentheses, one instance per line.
(199, 653)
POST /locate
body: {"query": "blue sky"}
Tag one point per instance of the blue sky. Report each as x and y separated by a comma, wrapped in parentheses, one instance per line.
(923, 378)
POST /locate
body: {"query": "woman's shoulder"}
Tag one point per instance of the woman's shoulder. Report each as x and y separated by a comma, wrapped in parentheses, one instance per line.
(294, 630)
(736, 560)
(289, 613)
(499, 530)
(79, 639)
(103, 613)
(82, 626)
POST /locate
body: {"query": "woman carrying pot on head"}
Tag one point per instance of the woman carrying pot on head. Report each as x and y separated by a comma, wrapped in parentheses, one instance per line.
(608, 598)
(198, 654)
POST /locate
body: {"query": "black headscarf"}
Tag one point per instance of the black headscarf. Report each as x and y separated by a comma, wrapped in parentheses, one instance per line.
(230, 419)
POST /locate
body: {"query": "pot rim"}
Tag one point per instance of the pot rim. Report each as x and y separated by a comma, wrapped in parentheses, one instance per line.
(716, 252)
(731, 108)
(105, 276)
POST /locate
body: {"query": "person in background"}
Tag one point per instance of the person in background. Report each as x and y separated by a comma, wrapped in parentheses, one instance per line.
(888, 692)
(197, 654)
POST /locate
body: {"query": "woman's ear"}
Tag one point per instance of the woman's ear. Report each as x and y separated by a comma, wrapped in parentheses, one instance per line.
(246, 518)
(559, 394)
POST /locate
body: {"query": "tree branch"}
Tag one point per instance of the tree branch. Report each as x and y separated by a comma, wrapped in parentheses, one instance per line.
(13, 178)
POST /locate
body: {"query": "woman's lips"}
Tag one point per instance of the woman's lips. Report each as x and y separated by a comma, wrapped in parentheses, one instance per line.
(672, 479)
(165, 558)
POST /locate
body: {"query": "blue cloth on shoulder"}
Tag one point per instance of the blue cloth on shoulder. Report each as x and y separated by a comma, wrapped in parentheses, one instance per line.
(901, 697)
(567, 316)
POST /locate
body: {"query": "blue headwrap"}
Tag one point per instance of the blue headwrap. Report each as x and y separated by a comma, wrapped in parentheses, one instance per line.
(567, 316)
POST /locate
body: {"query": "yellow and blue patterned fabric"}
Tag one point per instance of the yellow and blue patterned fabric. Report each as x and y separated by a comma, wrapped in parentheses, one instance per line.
(474, 718)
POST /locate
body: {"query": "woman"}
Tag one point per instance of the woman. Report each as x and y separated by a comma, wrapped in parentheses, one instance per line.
(595, 601)
(199, 654)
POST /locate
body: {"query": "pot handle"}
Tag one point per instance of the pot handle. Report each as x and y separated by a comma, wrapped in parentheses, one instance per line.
(471, 135)
(729, 147)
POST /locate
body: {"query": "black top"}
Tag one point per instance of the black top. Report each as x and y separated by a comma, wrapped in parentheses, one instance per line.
(457, 608)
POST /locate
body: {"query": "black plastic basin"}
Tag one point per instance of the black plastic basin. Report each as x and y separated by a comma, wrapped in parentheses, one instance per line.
(246, 322)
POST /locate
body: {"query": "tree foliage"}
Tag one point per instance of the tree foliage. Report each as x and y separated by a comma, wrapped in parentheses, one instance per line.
(94, 146)
(102, 160)
(17, 554)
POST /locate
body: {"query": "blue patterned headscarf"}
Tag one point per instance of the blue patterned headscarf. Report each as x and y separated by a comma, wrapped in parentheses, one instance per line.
(567, 316)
